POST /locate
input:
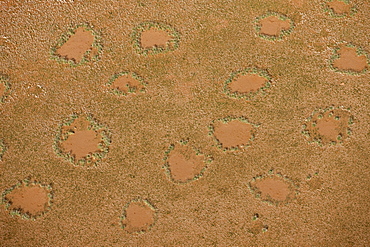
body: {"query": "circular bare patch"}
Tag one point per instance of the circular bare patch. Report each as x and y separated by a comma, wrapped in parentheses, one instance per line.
(27, 199)
(2, 149)
(273, 26)
(328, 126)
(184, 163)
(153, 38)
(138, 216)
(4, 87)
(247, 83)
(233, 133)
(340, 8)
(82, 141)
(126, 83)
(273, 188)
(349, 59)
(79, 45)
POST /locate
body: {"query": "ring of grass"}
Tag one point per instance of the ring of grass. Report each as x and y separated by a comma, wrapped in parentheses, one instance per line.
(331, 12)
(97, 44)
(271, 173)
(318, 140)
(172, 44)
(147, 203)
(130, 89)
(359, 52)
(2, 149)
(207, 160)
(4, 79)
(27, 182)
(248, 96)
(211, 130)
(283, 33)
(91, 159)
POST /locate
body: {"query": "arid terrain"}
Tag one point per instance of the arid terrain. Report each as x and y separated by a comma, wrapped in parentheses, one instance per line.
(185, 123)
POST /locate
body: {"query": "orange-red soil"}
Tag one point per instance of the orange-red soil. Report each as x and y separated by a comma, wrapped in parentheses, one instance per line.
(328, 127)
(184, 164)
(339, 7)
(81, 141)
(272, 26)
(154, 38)
(247, 83)
(126, 82)
(77, 45)
(32, 199)
(349, 60)
(233, 134)
(139, 217)
(274, 188)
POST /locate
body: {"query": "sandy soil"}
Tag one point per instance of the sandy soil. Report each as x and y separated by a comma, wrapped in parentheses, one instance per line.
(233, 134)
(273, 188)
(273, 26)
(349, 60)
(126, 83)
(247, 83)
(139, 217)
(154, 38)
(32, 200)
(339, 7)
(77, 45)
(184, 164)
(2, 90)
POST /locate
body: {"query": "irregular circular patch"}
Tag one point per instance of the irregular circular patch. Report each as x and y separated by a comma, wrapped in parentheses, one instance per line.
(79, 45)
(349, 59)
(273, 188)
(273, 26)
(233, 133)
(4, 87)
(125, 83)
(153, 38)
(138, 216)
(2, 149)
(28, 199)
(185, 164)
(340, 8)
(328, 126)
(82, 141)
(247, 83)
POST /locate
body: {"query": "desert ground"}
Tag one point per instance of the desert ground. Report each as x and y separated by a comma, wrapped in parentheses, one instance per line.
(185, 123)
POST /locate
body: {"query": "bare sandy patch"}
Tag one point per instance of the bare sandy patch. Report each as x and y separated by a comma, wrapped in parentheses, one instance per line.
(154, 38)
(184, 163)
(233, 133)
(125, 83)
(328, 126)
(139, 216)
(247, 83)
(82, 141)
(339, 7)
(273, 188)
(273, 26)
(349, 60)
(28, 200)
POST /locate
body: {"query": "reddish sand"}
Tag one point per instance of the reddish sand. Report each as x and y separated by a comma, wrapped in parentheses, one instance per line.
(77, 45)
(125, 82)
(349, 60)
(272, 26)
(184, 164)
(138, 217)
(339, 7)
(2, 90)
(328, 127)
(273, 188)
(233, 134)
(31, 199)
(247, 83)
(154, 38)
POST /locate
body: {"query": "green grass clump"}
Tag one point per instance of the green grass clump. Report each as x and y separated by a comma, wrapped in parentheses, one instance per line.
(2, 149)
(171, 45)
(4, 79)
(27, 182)
(248, 96)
